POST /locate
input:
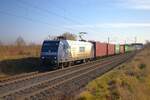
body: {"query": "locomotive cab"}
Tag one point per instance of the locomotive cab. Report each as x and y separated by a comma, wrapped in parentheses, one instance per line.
(49, 52)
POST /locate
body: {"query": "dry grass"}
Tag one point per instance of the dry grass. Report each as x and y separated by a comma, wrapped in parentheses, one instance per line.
(15, 52)
(18, 59)
(129, 81)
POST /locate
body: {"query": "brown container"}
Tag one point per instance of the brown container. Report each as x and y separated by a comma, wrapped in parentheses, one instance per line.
(122, 49)
(111, 49)
(100, 49)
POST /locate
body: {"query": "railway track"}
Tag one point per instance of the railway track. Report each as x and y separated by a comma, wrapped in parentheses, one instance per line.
(15, 77)
(53, 85)
(16, 81)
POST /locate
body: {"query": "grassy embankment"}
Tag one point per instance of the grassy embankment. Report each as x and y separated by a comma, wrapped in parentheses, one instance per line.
(18, 59)
(129, 81)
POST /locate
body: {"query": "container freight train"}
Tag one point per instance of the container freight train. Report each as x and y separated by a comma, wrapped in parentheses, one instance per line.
(61, 53)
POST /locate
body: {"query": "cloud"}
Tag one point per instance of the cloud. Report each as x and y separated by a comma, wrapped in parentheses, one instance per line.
(135, 4)
(113, 25)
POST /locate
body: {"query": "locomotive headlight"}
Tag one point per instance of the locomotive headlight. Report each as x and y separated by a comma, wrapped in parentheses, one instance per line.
(54, 57)
(42, 57)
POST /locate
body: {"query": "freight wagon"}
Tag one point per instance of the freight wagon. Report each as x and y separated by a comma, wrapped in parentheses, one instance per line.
(128, 48)
(122, 49)
(111, 49)
(100, 49)
(137, 46)
(117, 49)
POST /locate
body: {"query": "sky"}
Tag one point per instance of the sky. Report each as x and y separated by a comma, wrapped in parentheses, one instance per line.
(35, 20)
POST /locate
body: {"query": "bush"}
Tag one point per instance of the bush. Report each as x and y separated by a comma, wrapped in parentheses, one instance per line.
(142, 66)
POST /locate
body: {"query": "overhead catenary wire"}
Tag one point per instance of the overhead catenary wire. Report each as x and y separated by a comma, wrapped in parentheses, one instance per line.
(65, 11)
(35, 20)
(47, 11)
(52, 13)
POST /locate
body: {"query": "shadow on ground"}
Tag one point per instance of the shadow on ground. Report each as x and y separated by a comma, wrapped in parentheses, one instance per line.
(18, 66)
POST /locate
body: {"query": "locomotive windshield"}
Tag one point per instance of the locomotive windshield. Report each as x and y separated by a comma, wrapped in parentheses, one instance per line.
(50, 46)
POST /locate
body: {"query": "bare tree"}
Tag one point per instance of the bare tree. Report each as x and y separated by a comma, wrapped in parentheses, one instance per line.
(69, 36)
(32, 44)
(52, 37)
(20, 41)
(1, 43)
(147, 43)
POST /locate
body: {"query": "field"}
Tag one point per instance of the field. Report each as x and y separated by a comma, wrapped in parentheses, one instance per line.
(18, 59)
(129, 81)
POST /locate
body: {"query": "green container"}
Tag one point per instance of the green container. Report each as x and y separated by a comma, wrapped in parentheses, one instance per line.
(128, 48)
(117, 49)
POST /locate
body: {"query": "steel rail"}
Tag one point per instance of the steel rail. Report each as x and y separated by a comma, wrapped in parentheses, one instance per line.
(34, 86)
